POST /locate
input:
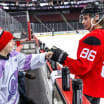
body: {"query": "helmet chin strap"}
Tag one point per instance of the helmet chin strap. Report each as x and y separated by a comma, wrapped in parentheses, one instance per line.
(92, 24)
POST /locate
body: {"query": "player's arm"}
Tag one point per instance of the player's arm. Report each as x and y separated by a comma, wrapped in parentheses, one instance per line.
(86, 55)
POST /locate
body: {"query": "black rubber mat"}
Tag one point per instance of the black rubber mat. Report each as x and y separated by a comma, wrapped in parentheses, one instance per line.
(35, 88)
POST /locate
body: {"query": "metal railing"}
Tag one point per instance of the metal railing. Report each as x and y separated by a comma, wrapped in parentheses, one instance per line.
(57, 26)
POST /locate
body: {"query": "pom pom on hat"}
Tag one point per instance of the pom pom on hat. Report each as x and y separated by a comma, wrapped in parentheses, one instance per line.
(5, 37)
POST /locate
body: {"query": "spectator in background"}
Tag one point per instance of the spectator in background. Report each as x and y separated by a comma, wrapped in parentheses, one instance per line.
(89, 65)
(32, 35)
(53, 31)
(24, 36)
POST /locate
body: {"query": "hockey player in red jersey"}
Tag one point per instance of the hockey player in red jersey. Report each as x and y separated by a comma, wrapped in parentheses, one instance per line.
(89, 65)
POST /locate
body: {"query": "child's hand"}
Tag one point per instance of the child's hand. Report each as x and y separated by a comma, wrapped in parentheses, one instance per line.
(48, 54)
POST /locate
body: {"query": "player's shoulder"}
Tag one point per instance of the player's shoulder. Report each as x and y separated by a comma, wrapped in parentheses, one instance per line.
(92, 39)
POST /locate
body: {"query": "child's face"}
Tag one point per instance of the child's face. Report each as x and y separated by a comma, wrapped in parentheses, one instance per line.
(9, 46)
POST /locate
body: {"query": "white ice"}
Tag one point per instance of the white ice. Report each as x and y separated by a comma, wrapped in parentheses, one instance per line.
(68, 43)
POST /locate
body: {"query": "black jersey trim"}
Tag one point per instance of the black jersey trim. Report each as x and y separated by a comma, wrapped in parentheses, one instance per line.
(5, 58)
(92, 41)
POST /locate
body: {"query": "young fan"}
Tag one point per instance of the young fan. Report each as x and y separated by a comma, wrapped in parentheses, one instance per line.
(10, 63)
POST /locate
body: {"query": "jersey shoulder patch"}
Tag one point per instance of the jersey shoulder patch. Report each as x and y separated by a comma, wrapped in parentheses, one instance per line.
(92, 41)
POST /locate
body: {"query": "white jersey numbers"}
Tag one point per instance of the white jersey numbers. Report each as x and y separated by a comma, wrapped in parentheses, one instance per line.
(88, 54)
(102, 72)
